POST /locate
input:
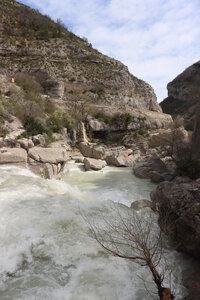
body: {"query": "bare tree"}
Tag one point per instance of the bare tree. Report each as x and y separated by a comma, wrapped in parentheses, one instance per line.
(133, 237)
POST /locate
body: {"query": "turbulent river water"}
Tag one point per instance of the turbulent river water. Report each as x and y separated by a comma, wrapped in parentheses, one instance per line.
(45, 249)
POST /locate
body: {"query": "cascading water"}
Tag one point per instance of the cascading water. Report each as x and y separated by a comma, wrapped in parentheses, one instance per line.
(84, 133)
(45, 249)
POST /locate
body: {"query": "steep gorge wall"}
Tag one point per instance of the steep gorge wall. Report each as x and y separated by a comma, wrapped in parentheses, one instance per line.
(184, 95)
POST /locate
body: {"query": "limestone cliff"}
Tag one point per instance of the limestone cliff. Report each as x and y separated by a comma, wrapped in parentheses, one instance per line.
(184, 95)
(67, 66)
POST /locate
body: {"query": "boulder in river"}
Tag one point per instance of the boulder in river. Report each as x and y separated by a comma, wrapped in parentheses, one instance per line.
(13, 155)
(92, 150)
(94, 164)
(124, 158)
(178, 205)
(48, 155)
(151, 168)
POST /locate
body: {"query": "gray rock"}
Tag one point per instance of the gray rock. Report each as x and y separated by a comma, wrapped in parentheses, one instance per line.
(122, 159)
(15, 128)
(13, 155)
(26, 143)
(78, 159)
(151, 168)
(39, 140)
(178, 207)
(91, 150)
(94, 164)
(60, 144)
(48, 171)
(156, 177)
(48, 155)
(140, 204)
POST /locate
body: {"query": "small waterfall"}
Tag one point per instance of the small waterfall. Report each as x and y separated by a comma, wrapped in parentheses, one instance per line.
(84, 133)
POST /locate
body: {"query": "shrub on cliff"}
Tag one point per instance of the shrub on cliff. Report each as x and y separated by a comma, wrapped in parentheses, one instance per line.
(121, 120)
(60, 119)
(28, 84)
(33, 126)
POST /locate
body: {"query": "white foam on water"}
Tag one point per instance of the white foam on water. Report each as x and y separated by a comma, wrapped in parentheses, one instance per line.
(45, 248)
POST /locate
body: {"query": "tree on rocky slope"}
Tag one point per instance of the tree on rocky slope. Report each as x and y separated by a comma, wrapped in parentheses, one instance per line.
(136, 239)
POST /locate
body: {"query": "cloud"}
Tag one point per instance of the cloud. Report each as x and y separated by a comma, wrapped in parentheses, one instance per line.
(156, 39)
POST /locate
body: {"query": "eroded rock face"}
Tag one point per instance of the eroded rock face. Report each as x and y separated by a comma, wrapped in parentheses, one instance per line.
(178, 205)
(139, 119)
(184, 95)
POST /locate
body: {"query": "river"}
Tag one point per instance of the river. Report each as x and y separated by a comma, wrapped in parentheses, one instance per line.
(45, 249)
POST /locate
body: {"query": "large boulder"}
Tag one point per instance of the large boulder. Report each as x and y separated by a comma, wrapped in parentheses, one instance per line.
(178, 205)
(94, 164)
(122, 159)
(48, 155)
(13, 155)
(92, 150)
(151, 168)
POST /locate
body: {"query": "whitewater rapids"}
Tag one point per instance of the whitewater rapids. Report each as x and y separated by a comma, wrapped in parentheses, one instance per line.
(45, 249)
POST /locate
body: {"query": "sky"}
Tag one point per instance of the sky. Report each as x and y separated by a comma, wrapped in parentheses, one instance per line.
(156, 39)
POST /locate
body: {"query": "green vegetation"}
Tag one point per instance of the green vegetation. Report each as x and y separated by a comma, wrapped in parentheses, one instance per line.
(121, 120)
(189, 168)
(38, 114)
(33, 127)
(59, 120)
(30, 23)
